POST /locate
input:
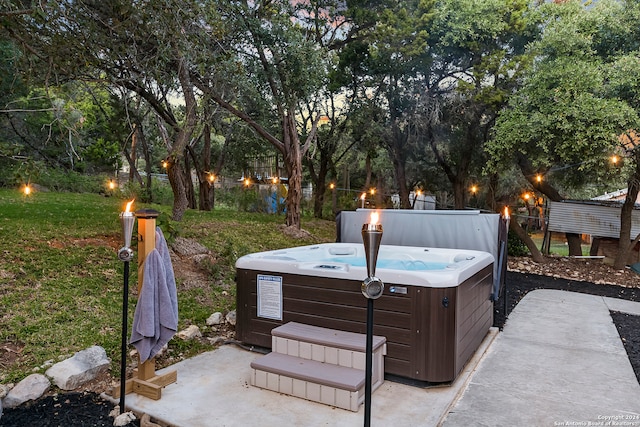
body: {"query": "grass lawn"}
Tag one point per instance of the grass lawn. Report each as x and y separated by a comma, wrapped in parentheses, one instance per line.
(558, 244)
(61, 281)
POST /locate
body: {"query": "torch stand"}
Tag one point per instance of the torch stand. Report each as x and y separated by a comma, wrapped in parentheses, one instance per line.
(146, 381)
(372, 288)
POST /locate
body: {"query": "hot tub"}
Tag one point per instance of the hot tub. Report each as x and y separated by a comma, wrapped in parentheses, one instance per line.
(435, 310)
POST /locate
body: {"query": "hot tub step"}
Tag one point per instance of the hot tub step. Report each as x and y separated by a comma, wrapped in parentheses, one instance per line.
(309, 379)
(330, 346)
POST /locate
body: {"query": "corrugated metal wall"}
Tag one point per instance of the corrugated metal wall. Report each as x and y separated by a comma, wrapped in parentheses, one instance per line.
(589, 218)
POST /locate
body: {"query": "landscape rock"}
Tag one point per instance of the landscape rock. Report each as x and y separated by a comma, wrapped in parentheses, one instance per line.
(190, 333)
(30, 388)
(4, 389)
(82, 367)
(124, 419)
(188, 247)
(214, 319)
(231, 317)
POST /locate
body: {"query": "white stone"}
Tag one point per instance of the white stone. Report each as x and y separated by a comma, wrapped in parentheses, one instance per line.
(124, 419)
(190, 333)
(231, 317)
(214, 319)
(29, 388)
(82, 367)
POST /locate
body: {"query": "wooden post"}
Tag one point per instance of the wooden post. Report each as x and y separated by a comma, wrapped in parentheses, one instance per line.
(145, 381)
(146, 239)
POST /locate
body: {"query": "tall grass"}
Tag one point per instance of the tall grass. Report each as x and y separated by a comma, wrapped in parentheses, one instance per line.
(61, 281)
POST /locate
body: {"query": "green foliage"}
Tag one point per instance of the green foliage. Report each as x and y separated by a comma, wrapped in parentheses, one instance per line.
(515, 245)
(569, 112)
(161, 192)
(11, 82)
(61, 180)
(103, 154)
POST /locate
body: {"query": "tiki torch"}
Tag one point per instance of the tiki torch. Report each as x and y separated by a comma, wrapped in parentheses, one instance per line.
(125, 254)
(372, 288)
(503, 237)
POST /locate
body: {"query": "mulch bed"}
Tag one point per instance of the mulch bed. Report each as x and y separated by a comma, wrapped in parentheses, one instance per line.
(88, 409)
(62, 410)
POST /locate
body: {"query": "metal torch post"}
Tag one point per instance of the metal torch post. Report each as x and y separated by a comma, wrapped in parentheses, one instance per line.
(372, 288)
(125, 254)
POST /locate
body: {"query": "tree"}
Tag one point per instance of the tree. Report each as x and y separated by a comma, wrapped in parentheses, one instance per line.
(477, 50)
(379, 73)
(563, 116)
(275, 61)
(618, 40)
(133, 46)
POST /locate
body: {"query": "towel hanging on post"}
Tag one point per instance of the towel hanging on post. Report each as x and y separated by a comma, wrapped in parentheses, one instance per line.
(155, 320)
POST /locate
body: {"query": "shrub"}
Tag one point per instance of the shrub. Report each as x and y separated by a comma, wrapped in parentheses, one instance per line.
(515, 245)
(161, 192)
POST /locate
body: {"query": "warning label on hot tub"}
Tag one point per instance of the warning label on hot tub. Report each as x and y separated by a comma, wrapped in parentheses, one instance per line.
(270, 296)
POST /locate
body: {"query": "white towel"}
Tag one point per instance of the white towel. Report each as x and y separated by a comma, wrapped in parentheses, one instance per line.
(155, 320)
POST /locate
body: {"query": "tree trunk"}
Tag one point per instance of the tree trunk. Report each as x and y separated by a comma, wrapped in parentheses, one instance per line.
(134, 153)
(624, 243)
(575, 244)
(132, 168)
(492, 191)
(459, 192)
(319, 178)
(367, 167)
(293, 163)
(206, 184)
(321, 189)
(403, 190)
(174, 164)
(400, 175)
(188, 182)
(176, 179)
(147, 160)
(536, 255)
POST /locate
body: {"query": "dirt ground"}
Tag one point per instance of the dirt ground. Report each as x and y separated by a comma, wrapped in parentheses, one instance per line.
(84, 407)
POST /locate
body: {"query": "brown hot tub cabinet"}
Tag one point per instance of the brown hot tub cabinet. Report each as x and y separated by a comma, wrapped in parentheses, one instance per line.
(432, 327)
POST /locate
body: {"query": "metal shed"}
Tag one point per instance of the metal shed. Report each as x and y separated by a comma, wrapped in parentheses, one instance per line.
(596, 218)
